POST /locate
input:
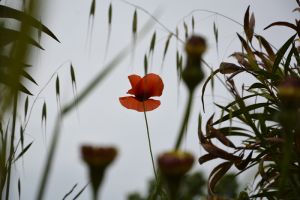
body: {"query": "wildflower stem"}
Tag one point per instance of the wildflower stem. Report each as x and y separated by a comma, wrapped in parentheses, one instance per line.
(149, 142)
(185, 121)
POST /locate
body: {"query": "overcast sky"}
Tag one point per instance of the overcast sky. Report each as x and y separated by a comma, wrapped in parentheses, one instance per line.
(100, 119)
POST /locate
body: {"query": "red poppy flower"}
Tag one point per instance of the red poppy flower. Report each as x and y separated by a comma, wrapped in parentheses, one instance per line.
(143, 89)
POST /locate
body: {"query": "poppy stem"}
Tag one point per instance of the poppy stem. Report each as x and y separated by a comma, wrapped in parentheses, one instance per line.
(185, 121)
(149, 142)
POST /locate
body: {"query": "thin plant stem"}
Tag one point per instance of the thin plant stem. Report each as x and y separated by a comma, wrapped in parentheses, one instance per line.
(50, 157)
(149, 143)
(185, 121)
(13, 128)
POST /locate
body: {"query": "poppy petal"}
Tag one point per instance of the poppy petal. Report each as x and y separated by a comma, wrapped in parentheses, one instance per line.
(134, 80)
(150, 85)
(134, 104)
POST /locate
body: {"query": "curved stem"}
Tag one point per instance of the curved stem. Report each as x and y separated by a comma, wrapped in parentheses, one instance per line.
(185, 121)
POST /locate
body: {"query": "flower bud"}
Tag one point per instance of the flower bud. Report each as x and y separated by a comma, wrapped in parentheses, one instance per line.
(173, 166)
(97, 159)
(175, 163)
(195, 46)
(192, 75)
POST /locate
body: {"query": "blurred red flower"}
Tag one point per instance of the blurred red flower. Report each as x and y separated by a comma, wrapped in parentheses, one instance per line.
(143, 89)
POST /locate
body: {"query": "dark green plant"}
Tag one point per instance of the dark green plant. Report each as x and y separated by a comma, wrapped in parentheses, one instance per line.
(267, 111)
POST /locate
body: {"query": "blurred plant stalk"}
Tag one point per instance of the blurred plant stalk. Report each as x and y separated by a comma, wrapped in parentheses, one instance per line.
(192, 76)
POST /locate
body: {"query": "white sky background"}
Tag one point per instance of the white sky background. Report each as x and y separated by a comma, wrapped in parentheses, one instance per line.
(102, 120)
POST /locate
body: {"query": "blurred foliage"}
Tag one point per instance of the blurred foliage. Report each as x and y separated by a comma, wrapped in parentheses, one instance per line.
(194, 187)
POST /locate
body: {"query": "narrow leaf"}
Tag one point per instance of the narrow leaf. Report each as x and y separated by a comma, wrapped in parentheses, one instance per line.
(23, 151)
(26, 107)
(7, 12)
(28, 76)
(9, 35)
(280, 53)
(217, 173)
(267, 46)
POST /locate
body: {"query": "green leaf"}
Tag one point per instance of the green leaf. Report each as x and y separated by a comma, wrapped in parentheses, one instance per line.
(241, 111)
(280, 53)
(22, 136)
(23, 151)
(7, 12)
(250, 54)
(28, 76)
(26, 107)
(134, 22)
(266, 45)
(288, 61)
(6, 61)
(249, 23)
(205, 84)
(8, 35)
